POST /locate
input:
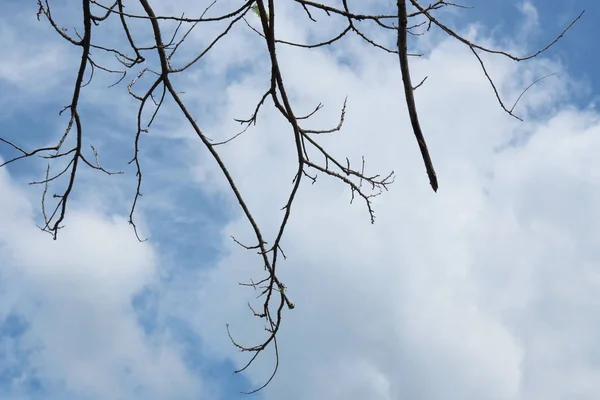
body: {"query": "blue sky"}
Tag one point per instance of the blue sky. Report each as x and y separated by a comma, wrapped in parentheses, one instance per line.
(485, 290)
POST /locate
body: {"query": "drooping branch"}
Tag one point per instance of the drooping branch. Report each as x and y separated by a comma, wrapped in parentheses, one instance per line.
(409, 93)
(312, 158)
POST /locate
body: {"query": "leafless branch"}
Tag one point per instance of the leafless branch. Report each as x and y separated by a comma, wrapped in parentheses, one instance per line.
(312, 158)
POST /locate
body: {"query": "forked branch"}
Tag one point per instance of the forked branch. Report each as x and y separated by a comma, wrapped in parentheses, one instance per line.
(312, 158)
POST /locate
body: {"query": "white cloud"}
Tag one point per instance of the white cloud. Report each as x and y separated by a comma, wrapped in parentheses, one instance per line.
(75, 293)
(485, 290)
(35, 64)
(531, 14)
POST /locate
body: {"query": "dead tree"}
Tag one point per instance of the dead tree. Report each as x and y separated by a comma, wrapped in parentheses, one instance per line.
(406, 19)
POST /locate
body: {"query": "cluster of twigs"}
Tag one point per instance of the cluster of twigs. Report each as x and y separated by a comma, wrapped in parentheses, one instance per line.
(408, 18)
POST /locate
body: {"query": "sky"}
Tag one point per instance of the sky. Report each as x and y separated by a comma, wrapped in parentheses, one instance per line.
(484, 290)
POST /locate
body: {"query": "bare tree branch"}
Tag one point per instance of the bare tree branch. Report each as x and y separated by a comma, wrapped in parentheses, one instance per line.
(312, 158)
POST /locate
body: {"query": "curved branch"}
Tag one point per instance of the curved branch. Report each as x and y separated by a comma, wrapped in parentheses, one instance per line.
(409, 94)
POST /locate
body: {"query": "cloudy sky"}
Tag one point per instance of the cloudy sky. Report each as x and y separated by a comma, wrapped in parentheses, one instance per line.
(486, 290)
